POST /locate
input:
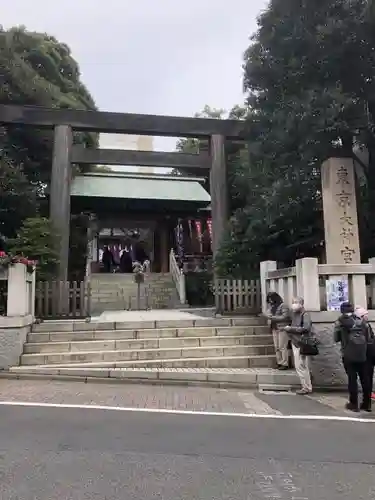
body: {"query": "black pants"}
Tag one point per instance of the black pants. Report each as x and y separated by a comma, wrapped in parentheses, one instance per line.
(361, 371)
(370, 368)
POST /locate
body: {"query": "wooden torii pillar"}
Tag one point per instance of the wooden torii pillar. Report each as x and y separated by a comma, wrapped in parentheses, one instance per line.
(219, 191)
(60, 193)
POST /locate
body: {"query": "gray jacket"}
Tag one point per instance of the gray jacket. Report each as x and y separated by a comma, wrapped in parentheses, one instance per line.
(301, 324)
(281, 317)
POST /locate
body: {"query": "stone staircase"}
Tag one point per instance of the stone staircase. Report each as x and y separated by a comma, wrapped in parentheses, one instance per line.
(231, 351)
(117, 291)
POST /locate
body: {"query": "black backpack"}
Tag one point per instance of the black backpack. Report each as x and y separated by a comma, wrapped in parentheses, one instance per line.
(356, 339)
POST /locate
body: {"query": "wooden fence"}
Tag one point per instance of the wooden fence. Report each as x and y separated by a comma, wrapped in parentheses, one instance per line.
(237, 296)
(62, 299)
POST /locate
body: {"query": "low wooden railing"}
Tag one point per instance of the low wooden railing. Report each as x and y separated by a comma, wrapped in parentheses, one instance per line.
(237, 296)
(62, 299)
(178, 277)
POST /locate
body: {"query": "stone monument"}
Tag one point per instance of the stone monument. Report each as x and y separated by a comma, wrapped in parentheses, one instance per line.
(340, 212)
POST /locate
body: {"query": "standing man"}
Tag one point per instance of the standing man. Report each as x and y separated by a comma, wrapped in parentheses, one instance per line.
(352, 333)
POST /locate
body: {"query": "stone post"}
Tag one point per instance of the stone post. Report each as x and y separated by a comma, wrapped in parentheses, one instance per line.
(219, 191)
(31, 293)
(60, 193)
(265, 267)
(308, 282)
(340, 212)
(18, 300)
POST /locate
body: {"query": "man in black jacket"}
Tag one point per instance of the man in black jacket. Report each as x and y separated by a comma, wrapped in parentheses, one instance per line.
(352, 333)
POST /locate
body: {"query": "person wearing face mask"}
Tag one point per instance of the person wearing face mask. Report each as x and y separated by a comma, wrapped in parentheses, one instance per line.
(279, 316)
(353, 334)
(300, 325)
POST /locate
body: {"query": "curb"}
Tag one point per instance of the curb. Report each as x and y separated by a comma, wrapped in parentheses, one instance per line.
(282, 388)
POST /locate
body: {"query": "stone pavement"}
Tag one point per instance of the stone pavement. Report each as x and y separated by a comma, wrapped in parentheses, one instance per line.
(152, 315)
(171, 398)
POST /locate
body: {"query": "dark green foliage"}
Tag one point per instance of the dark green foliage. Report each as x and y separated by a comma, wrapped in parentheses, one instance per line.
(309, 76)
(199, 289)
(38, 70)
(78, 246)
(37, 241)
(18, 198)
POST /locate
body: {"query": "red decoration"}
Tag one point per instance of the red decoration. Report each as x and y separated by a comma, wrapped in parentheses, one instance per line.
(209, 225)
(7, 260)
(198, 226)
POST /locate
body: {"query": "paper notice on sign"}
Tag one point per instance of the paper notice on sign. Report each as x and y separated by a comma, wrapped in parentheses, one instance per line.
(337, 291)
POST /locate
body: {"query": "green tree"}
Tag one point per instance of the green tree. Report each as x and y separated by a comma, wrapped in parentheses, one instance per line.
(309, 78)
(17, 198)
(36, 240)
(192, 145)
(38, 70)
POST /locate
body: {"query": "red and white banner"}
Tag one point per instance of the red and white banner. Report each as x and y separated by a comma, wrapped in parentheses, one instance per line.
(209, 226)
(198, 226)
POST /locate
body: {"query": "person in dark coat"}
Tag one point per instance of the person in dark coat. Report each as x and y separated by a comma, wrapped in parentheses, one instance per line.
(126, 263)
(107, 260)
(140, 253)
(352, 333)
(362, 313)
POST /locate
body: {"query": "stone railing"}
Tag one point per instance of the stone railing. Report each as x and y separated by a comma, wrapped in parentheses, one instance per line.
(308, 280)
(20, 304)
(178, 277)
(20, 290)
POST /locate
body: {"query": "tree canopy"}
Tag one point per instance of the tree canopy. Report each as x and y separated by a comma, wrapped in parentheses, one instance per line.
(309, 77)
(36, 69)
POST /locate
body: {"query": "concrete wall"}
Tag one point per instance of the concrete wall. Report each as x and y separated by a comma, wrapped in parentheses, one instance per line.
(13, 333)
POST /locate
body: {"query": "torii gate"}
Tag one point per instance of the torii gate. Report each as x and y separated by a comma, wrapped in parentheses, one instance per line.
(66, 121)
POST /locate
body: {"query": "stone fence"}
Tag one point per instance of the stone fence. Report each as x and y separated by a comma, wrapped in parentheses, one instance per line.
(20, 303)
(307, 279)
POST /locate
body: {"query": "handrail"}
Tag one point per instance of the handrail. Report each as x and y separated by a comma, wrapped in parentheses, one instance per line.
(178, 277)
(287, 272)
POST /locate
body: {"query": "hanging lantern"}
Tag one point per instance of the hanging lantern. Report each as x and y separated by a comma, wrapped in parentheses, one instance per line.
(180, 240)
(198, 225)
(209, 225)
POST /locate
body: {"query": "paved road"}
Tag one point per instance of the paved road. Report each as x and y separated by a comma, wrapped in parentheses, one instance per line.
(172, 397)
(85, 454)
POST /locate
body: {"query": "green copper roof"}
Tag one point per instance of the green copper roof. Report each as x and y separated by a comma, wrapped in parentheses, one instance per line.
(139, 186)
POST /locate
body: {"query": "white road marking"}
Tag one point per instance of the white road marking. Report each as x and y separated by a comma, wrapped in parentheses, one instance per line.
(256, 405)
(190, 412)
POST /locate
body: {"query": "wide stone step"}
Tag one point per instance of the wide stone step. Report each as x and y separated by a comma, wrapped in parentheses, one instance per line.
(131, 355)
(224, 377)
(81, 325)
(148, 333)
(258, 361)
(156, 343)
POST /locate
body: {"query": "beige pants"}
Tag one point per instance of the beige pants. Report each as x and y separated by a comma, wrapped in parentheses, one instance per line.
(280, 341)
(302, 368)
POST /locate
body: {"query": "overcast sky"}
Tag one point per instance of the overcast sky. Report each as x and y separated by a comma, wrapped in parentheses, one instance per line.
(149, 56)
